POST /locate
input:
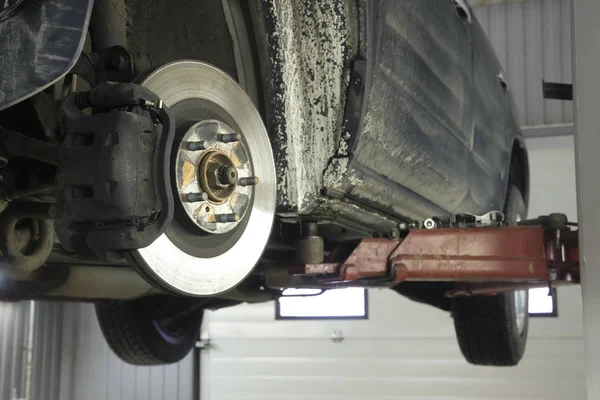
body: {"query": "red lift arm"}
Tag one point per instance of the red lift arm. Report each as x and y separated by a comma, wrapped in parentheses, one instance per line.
(482, 259)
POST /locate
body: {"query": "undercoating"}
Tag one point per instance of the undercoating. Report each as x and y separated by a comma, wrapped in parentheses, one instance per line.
(182, 29)
(438, 128)
(417, 154)
(310, 46)
(38, 45)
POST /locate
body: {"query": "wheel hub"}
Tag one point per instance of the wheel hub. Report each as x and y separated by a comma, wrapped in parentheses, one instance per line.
(213, 169)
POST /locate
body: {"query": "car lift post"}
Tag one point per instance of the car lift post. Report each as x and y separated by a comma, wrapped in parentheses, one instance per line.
(586, 66)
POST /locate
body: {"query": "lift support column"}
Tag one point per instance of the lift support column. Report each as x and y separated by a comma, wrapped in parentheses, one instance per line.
(586, 80)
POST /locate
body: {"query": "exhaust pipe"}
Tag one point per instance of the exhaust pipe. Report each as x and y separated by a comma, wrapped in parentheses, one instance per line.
(98, 282)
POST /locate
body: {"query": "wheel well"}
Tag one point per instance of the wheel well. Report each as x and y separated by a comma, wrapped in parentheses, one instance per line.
(519, 169)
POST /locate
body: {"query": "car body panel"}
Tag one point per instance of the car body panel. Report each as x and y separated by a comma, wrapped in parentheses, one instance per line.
(39, 44)
(431, 129)
(414, 145)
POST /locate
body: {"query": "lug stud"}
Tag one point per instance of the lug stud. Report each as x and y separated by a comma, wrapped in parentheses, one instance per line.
(249, 181)
(196, 197)
(230, 137)
(227, 218)
(196, 146)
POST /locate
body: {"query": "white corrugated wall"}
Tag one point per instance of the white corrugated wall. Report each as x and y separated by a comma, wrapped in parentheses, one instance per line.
(47, 348)
(14, 321)
(404, 351)
(532, 39)
(14, 328)
(71, 360)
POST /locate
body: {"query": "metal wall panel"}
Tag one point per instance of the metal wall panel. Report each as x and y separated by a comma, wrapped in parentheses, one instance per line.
(404, 351)
(532, 39)
(46, 351)
(417, 369)
(91, 371)
(14, 321)
(14, 328)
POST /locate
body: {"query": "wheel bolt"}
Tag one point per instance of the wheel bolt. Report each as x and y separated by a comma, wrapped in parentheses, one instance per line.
(196, 146)
(230, 137)
(227, 218)
(249, 181)
(196, 197)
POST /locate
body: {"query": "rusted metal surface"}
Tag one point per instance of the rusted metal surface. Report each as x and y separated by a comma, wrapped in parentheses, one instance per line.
(491, 288)
(566, 253)
(315, 269)
(480, 254)
(481, 260)
(370, 259)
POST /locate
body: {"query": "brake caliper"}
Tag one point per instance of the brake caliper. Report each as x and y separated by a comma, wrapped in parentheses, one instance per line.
(113, 175)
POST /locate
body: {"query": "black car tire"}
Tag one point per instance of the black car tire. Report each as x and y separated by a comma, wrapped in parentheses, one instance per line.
(136, 332)
(486, 326)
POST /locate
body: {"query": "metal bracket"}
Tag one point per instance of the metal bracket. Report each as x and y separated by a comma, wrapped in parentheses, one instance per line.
(557, 91)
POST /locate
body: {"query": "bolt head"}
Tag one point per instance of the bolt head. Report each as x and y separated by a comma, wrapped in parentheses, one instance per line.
(568, 277)
(119, 62)
(227, 175)
(196, 146)
(224, 218)
(196, 197)
(230, 137)
(249, 181)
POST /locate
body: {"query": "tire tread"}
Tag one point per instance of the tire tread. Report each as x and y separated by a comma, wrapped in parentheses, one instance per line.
(118, 324)
(131, 332)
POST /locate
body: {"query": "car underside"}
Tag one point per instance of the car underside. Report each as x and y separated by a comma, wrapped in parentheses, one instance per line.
(161, 159)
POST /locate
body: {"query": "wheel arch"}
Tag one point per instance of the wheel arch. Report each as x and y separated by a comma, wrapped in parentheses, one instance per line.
(519, 168)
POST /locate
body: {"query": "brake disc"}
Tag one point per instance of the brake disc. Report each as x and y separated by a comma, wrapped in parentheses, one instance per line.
(223, 178)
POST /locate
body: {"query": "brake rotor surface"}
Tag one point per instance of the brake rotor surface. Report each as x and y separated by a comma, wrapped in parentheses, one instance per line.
(223, 183)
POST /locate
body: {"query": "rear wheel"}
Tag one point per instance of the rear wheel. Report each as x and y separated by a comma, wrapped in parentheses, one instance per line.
(492, 330)
(150, 330)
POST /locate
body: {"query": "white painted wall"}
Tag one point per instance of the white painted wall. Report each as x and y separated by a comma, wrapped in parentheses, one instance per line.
(405, 350)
